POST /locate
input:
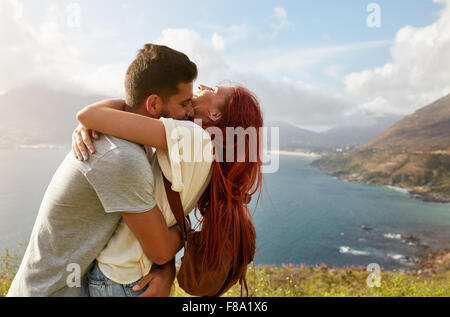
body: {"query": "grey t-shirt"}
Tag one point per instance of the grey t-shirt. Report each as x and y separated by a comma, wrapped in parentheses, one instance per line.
(78, 215)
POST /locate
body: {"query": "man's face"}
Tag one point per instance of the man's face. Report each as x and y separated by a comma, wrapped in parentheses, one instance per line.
(179, 106)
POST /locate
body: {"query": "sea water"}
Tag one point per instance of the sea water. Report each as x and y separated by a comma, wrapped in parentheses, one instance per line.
(304, 215)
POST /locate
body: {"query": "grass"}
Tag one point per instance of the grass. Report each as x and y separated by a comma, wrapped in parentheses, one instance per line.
(9, 263)
(322, 281)
(303, 281)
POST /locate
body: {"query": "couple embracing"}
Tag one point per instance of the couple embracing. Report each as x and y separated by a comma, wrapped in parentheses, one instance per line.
(106, 215)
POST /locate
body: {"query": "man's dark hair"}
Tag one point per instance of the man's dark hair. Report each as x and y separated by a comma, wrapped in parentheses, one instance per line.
(157, 70)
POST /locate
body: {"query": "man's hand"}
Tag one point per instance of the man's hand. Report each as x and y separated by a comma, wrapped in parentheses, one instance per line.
(159, 281)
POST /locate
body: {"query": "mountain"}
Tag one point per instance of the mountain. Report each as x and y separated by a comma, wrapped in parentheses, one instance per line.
(413, 154)
(426, 130)
(357, 135)
(293, 138)
(36, 114)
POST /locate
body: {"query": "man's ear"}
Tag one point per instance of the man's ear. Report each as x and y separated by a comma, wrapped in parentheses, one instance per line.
(215, 116)
(153, 105)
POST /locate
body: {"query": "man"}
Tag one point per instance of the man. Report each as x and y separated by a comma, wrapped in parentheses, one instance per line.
(86, 199)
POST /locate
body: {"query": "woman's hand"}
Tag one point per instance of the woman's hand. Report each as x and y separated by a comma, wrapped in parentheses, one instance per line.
(82, 142)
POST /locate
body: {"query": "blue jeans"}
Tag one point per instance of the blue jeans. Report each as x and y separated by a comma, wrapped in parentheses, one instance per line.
(101, 286)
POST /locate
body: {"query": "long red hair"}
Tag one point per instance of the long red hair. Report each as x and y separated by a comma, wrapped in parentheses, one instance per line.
(223, 205)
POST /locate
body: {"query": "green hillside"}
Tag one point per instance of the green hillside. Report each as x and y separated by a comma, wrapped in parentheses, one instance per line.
(413, 154)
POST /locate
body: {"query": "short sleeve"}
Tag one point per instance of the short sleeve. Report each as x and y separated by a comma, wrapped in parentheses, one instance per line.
(189, 153)
(123, 180)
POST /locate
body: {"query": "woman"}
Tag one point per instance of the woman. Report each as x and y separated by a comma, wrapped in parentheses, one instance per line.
(224, 193)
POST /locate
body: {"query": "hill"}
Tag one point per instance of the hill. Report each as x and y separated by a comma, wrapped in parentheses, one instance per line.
(413, 154)
(36, 114)
(425, 131)
(293, 138)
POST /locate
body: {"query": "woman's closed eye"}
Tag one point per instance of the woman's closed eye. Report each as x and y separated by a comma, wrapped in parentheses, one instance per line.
(203, 87)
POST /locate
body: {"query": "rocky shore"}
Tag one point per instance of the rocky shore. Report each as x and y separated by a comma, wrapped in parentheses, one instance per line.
(419, 192)
(435, 262)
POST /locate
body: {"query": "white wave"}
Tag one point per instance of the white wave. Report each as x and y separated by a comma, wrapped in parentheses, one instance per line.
(402, 259)
(398, 189)
(346, 249)
(396, 257)
(396, 236)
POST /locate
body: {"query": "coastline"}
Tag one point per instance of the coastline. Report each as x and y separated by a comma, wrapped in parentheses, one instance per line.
(292, 153)
(43, 146)
(415, 192)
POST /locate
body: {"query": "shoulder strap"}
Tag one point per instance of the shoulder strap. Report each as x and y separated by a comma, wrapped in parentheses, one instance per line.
(177, 207)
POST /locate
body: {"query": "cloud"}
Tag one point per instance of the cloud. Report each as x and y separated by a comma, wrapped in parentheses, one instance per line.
(61, 57)
(280, 15)
(236, 32)
(334, 70)
(210, 62)
(283, 60)
(416, 75)
(126, 5)
(303, 104)
(218, 42)
(16, 41)
(230, 34)
(284, 99)
(48, 53)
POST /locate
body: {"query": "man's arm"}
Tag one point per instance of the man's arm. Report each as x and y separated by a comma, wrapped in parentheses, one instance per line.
(159, 243)
(159, 281)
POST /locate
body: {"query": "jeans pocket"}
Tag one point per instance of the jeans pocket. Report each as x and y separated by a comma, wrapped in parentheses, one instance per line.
(97, 289)
(95, 275)
(129, 290)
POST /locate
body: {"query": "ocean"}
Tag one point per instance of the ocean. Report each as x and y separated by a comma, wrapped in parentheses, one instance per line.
(304, 215)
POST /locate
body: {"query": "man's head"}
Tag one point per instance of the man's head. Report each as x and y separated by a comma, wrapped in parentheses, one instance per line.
(159, 82)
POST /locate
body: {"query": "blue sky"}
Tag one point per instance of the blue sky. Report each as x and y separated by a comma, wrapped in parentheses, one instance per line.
(315, 52)
(311, 23)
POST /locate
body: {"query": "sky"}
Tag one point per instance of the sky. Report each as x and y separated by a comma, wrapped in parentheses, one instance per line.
(316, 64)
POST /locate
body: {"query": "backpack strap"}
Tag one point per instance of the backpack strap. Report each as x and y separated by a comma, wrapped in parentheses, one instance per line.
(177, 208)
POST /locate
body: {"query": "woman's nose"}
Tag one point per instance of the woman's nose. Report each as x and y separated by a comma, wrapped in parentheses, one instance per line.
(203, 87)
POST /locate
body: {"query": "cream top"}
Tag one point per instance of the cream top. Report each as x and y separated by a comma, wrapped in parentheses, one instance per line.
(187, 164)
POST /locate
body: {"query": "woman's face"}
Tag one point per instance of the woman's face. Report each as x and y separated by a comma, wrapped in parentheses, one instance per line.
(208, 102)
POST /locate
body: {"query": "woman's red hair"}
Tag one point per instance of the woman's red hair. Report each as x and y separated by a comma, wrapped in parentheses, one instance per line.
(223, 205)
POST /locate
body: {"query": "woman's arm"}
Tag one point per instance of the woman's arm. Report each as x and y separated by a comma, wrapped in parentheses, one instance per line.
(108, 117)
